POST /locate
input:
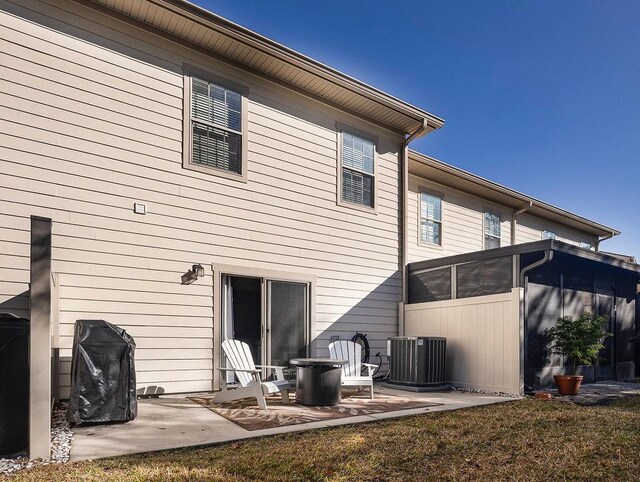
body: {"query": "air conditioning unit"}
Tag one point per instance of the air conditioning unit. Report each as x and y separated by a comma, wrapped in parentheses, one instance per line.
(417, 363)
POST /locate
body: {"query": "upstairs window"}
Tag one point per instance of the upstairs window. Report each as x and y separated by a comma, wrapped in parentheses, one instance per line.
(430, 219)
(215, 135)
(492, 228)
(548, 235)
(357, 170)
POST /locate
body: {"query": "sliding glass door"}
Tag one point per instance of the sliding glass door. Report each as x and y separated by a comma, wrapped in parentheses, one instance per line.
(271, 316)
(288, 321)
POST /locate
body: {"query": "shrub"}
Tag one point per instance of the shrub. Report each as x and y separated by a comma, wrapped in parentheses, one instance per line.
(579, 339)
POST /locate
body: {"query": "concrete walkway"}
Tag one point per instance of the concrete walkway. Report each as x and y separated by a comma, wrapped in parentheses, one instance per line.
(172, 422)
(600, 393)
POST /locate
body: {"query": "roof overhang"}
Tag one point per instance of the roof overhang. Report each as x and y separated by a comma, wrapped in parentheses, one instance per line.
(441, 173)
(261, 55)
(517, 249)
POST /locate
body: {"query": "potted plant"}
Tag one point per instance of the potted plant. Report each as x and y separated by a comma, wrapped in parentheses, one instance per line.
(580, 341)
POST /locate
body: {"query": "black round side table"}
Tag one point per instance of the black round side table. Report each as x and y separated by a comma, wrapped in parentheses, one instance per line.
(318, 380)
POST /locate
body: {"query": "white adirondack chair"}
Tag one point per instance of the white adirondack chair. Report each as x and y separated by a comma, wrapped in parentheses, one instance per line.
(248, 374)
(352, 371)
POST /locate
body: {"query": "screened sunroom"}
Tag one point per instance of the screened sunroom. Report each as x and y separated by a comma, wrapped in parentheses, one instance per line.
(557, 279)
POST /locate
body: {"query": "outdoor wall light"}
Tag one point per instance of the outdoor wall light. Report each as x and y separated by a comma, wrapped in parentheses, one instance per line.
(196, 271)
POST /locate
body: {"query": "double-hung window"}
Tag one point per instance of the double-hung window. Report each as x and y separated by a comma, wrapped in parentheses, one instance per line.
(357, 170)
(215, 135)
(491, 230)
(430, 219)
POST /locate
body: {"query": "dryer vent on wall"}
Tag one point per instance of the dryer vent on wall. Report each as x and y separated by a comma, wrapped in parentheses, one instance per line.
(418, 363)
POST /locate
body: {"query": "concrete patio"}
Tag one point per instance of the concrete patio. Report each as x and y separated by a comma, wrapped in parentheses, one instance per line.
(600, 392)
(174, 421)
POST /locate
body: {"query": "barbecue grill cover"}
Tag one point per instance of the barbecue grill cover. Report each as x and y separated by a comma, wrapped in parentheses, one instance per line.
(103, 377)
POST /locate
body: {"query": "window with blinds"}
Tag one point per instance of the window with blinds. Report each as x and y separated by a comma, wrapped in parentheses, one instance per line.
(216, 126)
(491, 230)
(430, 219)
(358, 170)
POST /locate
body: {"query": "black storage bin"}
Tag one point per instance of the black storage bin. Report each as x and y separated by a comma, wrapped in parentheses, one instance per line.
(14, 384)
(103, 378)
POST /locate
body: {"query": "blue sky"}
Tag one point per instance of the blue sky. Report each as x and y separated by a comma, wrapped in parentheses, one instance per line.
(542, 96)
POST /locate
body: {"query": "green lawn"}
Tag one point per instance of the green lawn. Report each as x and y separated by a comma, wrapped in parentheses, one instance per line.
(522, 440)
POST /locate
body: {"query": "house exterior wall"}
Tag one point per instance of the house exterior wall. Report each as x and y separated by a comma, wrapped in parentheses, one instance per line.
(530, 228)
(91, 122)
(462, 223)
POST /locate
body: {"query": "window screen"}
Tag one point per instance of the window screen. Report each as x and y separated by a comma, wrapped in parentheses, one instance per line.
(430, 219)
(491, 230)
(357, 170)
(486, 277)
(216, 123)
(434, 285)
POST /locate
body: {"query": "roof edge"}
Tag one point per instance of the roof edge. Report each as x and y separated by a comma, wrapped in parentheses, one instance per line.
(494, 186)
(516, 249)
(276, 49)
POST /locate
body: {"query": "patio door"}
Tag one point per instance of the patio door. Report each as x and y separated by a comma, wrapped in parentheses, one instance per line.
(287, 321)
(606, 306)
(271, 316)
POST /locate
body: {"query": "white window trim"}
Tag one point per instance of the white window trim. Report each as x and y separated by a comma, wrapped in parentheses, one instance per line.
(438, 195)
(187, 134)
(484, 228)
(359, 133)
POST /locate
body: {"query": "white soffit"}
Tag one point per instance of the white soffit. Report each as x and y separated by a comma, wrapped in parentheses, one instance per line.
(257, 53)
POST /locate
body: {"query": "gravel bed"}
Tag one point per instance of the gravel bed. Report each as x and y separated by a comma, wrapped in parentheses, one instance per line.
(484, 392)
(61, 436)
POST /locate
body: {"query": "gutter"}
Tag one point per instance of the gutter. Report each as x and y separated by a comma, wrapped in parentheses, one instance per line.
(608, 236)
(548, 256)
(404, 261)
(514, 222)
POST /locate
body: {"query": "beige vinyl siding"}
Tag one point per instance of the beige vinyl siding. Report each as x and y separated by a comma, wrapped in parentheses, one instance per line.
(90, 122)
(462, 223)
(530, 228)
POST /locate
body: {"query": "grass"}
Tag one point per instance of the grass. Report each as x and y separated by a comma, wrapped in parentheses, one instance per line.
(522, 440)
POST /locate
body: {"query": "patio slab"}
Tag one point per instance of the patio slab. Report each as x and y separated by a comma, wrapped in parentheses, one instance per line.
(172, 422)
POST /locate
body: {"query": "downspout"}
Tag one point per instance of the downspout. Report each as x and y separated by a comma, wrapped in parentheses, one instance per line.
(608, 236)
(404, 257)
(514, 222)
(548, 256)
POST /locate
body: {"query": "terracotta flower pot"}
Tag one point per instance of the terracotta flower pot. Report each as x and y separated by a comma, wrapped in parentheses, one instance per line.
(568, 384)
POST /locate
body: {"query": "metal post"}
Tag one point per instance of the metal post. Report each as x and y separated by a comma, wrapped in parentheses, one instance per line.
(40, 340)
